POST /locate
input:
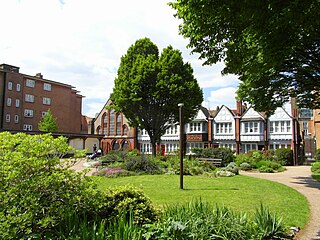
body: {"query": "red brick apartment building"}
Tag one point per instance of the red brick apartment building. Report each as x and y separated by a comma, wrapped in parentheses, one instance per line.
(25, 99)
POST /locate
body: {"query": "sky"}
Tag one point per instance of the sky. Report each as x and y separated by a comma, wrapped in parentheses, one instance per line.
(80, 42)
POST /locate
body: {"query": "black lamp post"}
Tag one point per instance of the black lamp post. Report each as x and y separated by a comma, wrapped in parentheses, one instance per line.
(180, 105)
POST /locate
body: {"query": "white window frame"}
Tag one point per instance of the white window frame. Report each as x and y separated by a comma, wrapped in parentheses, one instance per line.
(47, 87)
(280, 127)
(9, 102)
(10, 85)
(27, 127)
(18, 87)
(46, 101)
(7, 117)
(29, 98)
(30, 83)
(17, 103)
(16, 118)
(224, 128)
(28, 113)
(43, 114)
(251, 127)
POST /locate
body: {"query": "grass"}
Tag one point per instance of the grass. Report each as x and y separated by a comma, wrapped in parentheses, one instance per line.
(240, 193)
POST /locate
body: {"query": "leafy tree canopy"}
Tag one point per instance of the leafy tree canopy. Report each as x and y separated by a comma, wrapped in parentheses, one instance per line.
(48, 123)
(149, 88)
(273, 46)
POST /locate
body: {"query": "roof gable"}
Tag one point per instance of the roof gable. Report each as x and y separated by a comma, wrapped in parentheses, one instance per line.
(252, 114)
(224, 115)
(280, 114)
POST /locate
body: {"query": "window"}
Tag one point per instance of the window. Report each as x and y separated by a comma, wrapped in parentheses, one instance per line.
(196, 127)
(30, 83)
(125, 130)
(112, 122)
(9, 85)
(9, 102)
(224, 127)
(17, 103)
(16, 118)
(28, 113)
(46, 101)
(47, 86)
(27, 127)
(251, 127)
(29, 98)
(280, 127)
(305, 113)
(18, 87)
(7, 117)
(43, 114)
(119, 125)
(305, 127)
(249, 146)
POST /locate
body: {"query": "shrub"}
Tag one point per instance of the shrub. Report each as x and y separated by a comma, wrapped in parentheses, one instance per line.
(231, 167)
(245, 166)
(315, 168)
(265, 166)
(317, 157)
(266, 169)
(242, 158)
(126, 198)
(142, 164)
(226, 154)
(112, 172)
(224, 173)
(283, 156)
(37, 189)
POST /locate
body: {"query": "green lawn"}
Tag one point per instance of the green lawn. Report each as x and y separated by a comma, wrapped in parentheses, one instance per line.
(241, 193)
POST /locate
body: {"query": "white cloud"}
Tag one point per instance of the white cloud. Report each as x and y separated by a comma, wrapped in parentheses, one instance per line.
(80, 42)
(222, 96)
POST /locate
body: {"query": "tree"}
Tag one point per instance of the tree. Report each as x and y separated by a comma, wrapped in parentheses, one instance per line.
(273, 46)
(149, 87)
(48, 123)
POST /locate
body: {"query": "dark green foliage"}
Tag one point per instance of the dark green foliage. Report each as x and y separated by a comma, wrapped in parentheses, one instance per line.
(127, 199)
(149, 87)
(268, 225)
(268, 166)
(226, 154)
(283, 156)
(317, 157)
(142, 164)
(315, 168)
(199, 220)
(273, 46)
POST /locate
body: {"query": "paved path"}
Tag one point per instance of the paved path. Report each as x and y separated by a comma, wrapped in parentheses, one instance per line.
(299, 178)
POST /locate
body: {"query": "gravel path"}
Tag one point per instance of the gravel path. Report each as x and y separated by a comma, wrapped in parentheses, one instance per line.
(299, 178)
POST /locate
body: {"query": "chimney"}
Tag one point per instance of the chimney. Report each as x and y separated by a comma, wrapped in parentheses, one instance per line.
(239, 110)
(39, 75)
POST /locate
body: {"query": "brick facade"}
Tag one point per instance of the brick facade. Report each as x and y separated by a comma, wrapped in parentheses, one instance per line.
(24, 100)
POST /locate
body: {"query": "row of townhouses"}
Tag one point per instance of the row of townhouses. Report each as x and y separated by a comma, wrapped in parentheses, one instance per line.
(242, 129)
(25, 99)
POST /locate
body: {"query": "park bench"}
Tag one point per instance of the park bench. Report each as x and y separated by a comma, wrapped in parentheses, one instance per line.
(215, 161)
